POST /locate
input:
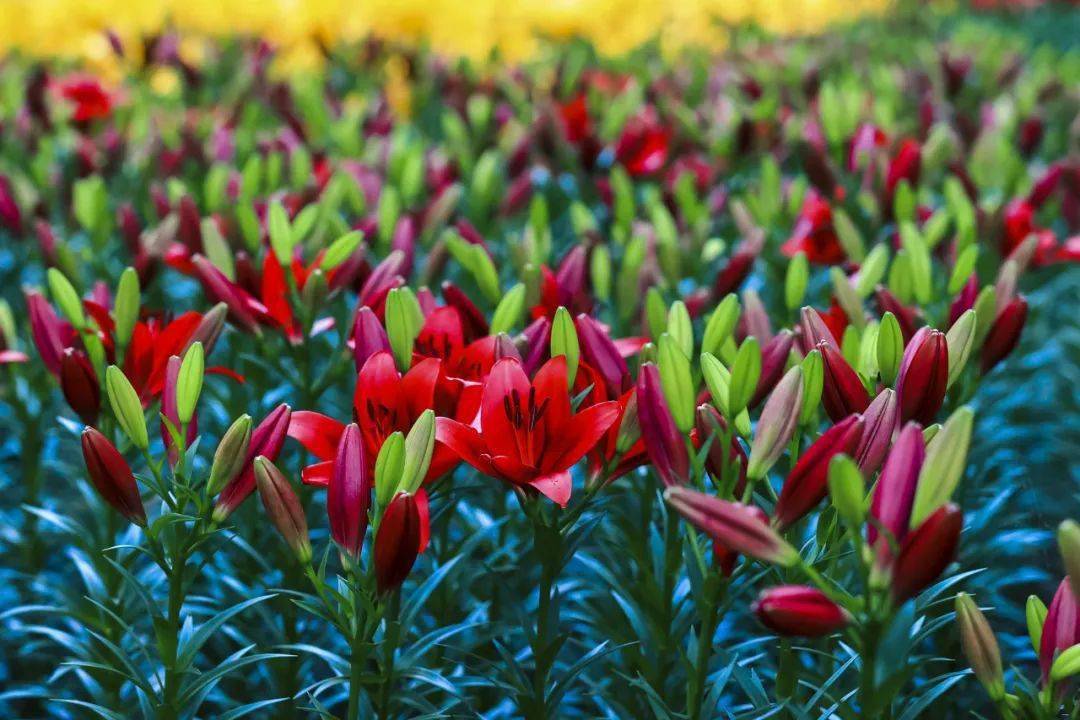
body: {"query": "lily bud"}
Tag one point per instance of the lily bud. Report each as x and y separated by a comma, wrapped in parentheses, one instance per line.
(799, 610)
(795, 280)
(847, 490)
(283, 508)
(813, 371)
(189, 383)
(1069, 544)
(508, 311)
(348, 494)
(843, 392)
(369, 337)
(630, 425)
(601, 354)
(890, 508)
(1060, 629)
(1004, 334)
(404, 319)
(807, 483)
(890, 348)
(209, 328)
(230, 455)
(882, 418)
(388, 468)
(112, 476)
(126, 306)
(745, 372)
(960, 340)
(80, 386)
(742, 528)
(419, 447)
(980, 646)
(266, 440)
(1035, 616)
(926, 551)
(946, 458)
(774, 357)
(923, 377)
(814, 329)
(397, 542)
(220, 288)
(777, 424)
(126, 406)
(664, 443)
(564, 341)
(720, 324)
(677, 383)
(711, 424)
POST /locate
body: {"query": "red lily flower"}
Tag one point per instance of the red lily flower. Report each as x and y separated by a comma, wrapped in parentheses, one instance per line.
(90, 100)
(643, 146)
(526, 434)
(814, 234)
(565, 287)
(575, 120)
(385, 401)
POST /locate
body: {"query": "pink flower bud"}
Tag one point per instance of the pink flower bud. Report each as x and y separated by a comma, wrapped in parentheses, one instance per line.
(663, 441)
(1061, 629)
(1004, 333)
(742, 528)
(283, 507)
(266, 440)
(349, 493)
(894, 494)
(774, 358)
(80, 385)
(369, 337)
(799, 610)
(601, 354)
(880, 421)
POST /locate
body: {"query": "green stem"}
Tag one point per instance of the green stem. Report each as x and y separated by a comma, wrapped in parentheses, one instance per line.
(710, 617)
(390, 643)
(356, 660)
(169, 710)
(868, 669)
(542, 656)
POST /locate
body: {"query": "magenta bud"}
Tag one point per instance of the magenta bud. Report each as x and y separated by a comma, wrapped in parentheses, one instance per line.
(112, 476)
(397, 542)
(814, 330)
(209, 328)
(221, 289)
(80, 385)
(799, 610)
(808, 482)
(905, 316)
(664, 444)
(843, 392)
(600, 353)
(1061, 628)
(283, 507)
(348, 495)
(774, 356)
(473, 320)
(880, 421)
(894, 494)
(1004, 333)
(369, 337)
(266, 440)
(48, 331)
(742, 528)
(710, 423)
(926, 552)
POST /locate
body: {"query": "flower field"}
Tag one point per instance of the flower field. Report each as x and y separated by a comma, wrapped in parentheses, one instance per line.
(580, 360)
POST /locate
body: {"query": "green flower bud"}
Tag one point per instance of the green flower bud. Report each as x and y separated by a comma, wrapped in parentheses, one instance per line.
(904, 202)
(980, 646)
(600, 272)
(419, 446)
(655, 313)
(847, 488)
(66, 297)
(890, 348)
(745, 373)
(717, 379)
(230, 455)
(564, 341)
(508, 311)
(126, 406)
(872, 270)
(1069, 545)
(985, 313)
(126, 306)
(389, 466)
(721, 324)
(901, 277)
(217, 249)
(281, 234)
(677, 383)
(943, 468)
(813, 374)
(965, 265)
(341, 250)
(680, 328)
(960, 340)
(847, 298)
(919, 256)
(1066, 665)
(795, 281)
(848, 235)
(404, 319)
(189, 382)
(1035, 614)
